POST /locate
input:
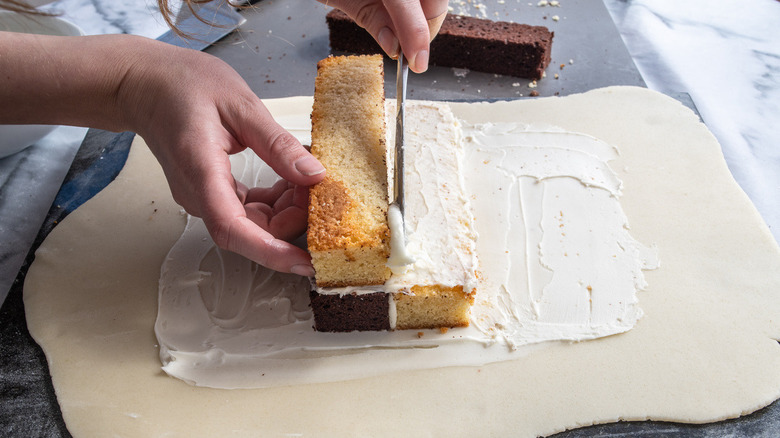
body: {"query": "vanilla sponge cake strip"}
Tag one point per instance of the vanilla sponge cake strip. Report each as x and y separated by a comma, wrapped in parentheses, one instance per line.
(438, 289)
(348, 236)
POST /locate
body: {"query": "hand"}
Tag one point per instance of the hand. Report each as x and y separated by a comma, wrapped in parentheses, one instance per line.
(410, 23)
(194, 110)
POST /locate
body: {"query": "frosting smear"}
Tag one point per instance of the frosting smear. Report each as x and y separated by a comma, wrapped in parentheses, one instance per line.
(556, 263)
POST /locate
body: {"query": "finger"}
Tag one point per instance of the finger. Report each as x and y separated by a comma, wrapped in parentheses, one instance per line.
(285, 224)
(295, 196)
(411, 29)
(289, 223)
(434, 24)
(284, 201)
(373, 16)
(255, 127)
(241, 191)
(301, 197)
(265, 211)
(435, 11)
(410, 21)
(267, 195)
(228, 224)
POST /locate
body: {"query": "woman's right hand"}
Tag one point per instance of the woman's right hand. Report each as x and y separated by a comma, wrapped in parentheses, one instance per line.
(408, 24)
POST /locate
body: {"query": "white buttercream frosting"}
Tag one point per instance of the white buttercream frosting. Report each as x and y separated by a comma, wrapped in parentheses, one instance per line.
(557, 259)
(556, 263)
(399, 253)
(437, 219)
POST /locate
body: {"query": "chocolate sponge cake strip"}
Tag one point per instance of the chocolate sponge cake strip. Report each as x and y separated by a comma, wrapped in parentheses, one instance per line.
(346, 313)
(464, 42)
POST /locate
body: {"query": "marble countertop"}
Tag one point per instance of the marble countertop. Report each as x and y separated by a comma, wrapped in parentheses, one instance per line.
(725, 55)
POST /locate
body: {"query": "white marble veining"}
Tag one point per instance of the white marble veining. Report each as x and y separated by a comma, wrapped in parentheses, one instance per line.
(29, 181)
(96, 17)
(726, 55)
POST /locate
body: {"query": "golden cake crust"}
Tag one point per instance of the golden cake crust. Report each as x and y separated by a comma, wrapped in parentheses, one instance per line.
(348, 236)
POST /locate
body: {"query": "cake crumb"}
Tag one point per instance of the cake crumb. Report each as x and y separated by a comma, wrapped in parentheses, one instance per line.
(556, 76)
(571, 61)
(460, 72)
(556, 18)
(444, 330)
(420, 334)
(542, 3)
(532, 84)
(533, 93)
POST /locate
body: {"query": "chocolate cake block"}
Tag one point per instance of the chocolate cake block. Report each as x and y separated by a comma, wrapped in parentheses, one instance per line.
(347, 36)
(464, 42)
(337, 313)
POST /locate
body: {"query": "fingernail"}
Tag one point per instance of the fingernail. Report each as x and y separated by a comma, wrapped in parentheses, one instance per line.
(421, 61)
(309, 166)
(303, 270)
(388, 41)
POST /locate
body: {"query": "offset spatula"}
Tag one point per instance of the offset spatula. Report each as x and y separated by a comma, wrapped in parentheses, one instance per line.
(400, 87)
(399, 256)
(434, 24)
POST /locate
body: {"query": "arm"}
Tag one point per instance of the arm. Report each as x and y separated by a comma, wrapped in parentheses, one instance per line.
(191, 108)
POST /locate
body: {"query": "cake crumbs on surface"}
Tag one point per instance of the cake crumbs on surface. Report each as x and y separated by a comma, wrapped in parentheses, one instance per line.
(533, 93)
(555, 18)
(532, 84)
(556, 76)
(420, 334)
(444, 330)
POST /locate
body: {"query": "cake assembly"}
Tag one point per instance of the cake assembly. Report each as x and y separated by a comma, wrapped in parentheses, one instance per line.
(442, 219)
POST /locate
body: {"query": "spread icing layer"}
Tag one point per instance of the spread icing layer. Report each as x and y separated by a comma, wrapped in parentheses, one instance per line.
(437, 219)
(555, 257)
(568, 268)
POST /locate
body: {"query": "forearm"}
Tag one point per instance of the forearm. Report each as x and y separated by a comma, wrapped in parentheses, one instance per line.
(65, 80)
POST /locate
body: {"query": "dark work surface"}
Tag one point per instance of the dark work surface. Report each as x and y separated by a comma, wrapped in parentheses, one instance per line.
(276, 51)
(28, 406)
